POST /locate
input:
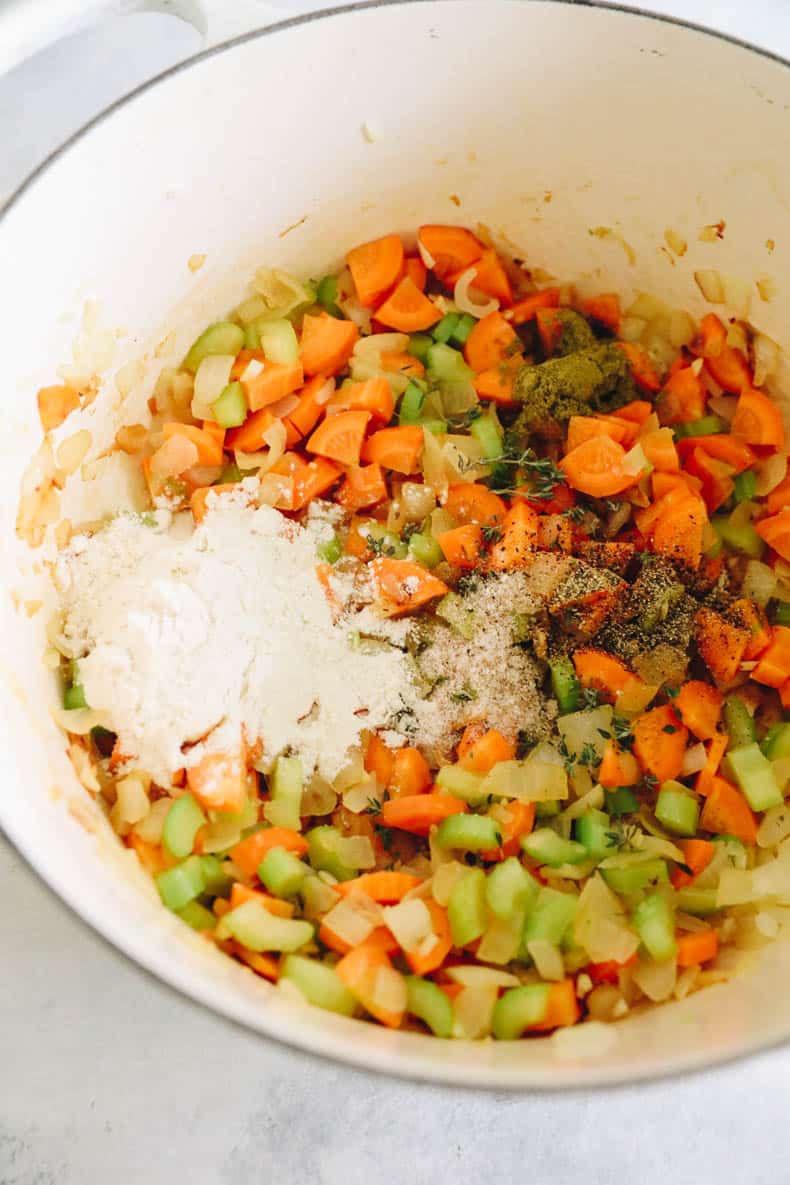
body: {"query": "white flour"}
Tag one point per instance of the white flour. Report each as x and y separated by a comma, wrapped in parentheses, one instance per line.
(186, 635)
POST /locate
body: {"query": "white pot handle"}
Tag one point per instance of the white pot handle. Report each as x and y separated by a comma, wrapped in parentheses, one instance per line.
(30, 25)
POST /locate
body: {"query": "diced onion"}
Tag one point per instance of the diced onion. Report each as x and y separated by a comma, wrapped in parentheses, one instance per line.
(682, 329)
(280, 291)
(352, 773)
(356, 313)
(251, 371)
(357, 798)
(445, 878)
(694, 759)
(632, 328)
(350, 920)
(131, 803)
(593, 800)
(79, 721)
(723, 405)
(319, 897)
(738, 295)
(547, 959)
(425, 255)
(149, 829)
(586, 728)
(770, 473)
(283, 407)
(774, 826)
(635, 698)
(737, 338)
(735, 887)
(656, 980)
(600, 925)
(710, 285)
(356, 851)
(478, 977)
(325, 393)
(381, 343)
(318, 797)
(463, 299)
(433, 467)
(635, 461)
(172, 458)
(502, 940)
(211, 379)
(389, 990)
(759, 582)
(474, 1009)
(409, 921)
(276, 437)
(276, 490)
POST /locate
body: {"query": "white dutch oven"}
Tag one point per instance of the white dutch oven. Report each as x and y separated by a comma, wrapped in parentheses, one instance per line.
(544, 120)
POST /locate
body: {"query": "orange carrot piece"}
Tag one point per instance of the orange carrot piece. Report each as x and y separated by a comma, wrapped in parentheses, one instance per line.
(386, 886)
(784, 695)
(470, 502)
(461, 545)
(699, 946)
(375, 267)
(642, 367)
(779, 498)
(249, 436)
(596, 468)
(55, 404)
(379, 759)
(314, 479)
(249, 852)
(773, 668)
(697, 855)
(618, 767)
(263, 965)
(208, 449)
(398, 449)
(581, 428)
(659, 448)
(394, 362)
(594, 668)
(308, 411)
(520, 823)
(472, 733)
(373, 395)
(416, 270)
(758, 420)
(715, 477)
(410, 775)
(562, 1008)
(660, 740)
(452, 248)
(490, 277)
(152, 857)
(520, 536)
(754, 620)
(699, 707)
(219, 781)
(637, 411)
(716, 750)
(273, 383)
(726, 365)
(417, 813)
(197, 501)
(775, 530)
(327, 343)
(493, 340)
(730, 449)
(683, 397)
(364, 485)
(403, 586)
(524, 310)
(605, 308)
(407, 309)
(720, 643)
(498, 385)
(678, 528)
(726, 812)
(380, 938)
(607, 971)
(487, 751)
(240, 895)
(424, 964)
(359, 970)
(340, 437)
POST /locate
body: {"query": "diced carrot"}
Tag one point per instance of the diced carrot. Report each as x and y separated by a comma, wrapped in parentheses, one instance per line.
(215, 431)
(605, 308)
(424, 964)
(403, 586)
(218, 781)
(775, 530)
(410, 775)
(683, 397)
(380, 938)
(524, 310)
(394, 362)
(596, 468)
(490, 277)
(637, 411)
(730, 449)
(416, 270)
(519, 824)
(721, 644)
(715, 477)
(398, 449)
(308, 411)
(197, 501)
(249, 436)
(618, 767)
(498, 385)
(461, 545)
(386, 886)
(607, 971)
(660, 740)
(55, 404)
(359, 971)
(549, 323)
(773, 668)
(249, 852)
(716, 750)
(784, 695)
(263, 965)
(364, 485)
(471, 502)
(487, 751)
(372, 395)
(726, 812)
(642, 366)
(562, 1007)
(419, 812)
(493, 340)
(519, 539)
(243, 359)
(375, 267)
(595, 668)
(697, 855)
(662, 483)
(581, 428)
(452, 248)
(726, 364)
(314, 479)
(327, 343)
(152, 857)
(407, 309)
(699, 707)
(678, 533)
(758, 420)
(779, 498)
(340, 437)
(273, 383)
(659, 448)
(698, 946)
(379, 759)
(209, 451)
(472, 733)
(711, 337)
(240, 894)
(753, 618)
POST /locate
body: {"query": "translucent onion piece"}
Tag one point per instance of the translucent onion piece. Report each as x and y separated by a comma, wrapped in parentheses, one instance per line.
(547, 959)
(356, 851)
(276, 437)
(738, 295)
(710, 285)
(694, 759)
(211, 378)
(410, 922)
(656, 980)
(350, 920)
(381, 343)
(416, 501)
(149, 829)
(280, 291)
(463, 298)
(471, 976)
(445, 878)
(79, 721)
(131, 803)
(774, 826)
(601, 924)
(759, 582)
(474, 1008)
(251, 371)
(283, 407)
(723, 405)
(325, 393)
(389, 990)
(770, 473)
(425, 255)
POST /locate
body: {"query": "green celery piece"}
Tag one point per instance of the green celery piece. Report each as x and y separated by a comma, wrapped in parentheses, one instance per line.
(462, 783)
(755, 776)
(330, 550)
(510, 889)
(282, 873)
(487, 435)
(215, 876)
(428, 1003)
(707, 426)
(518, 1009)
(745, 485)
(734, 848)
(782, 613)
(223, 337)
(74, 697)
(545, 846)
(445, 328)
(551, 916)
(655, 924)
(411, 404)
(197, 916)
(466, 324)
(425, 550)
(230, 410)
(326, 295)
(468, 833)
(621, 801)
(636, 876)
(437, 427)
(252, 337)
(229, 474)
(182, 823)
(564, 684)
(322, 853)
(253, 926)
(319, 984)
(696, 901)
(284, 810)
(739, 722)
(548, 809)
(179, 885)
(777, 744)
(593, 832)
(466, 908)
(738, 537)
(454, 611)
(279, 341)
(419, 345)
(677, 809)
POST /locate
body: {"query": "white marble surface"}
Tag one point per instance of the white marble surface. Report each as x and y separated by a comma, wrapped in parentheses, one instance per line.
(107, 1076)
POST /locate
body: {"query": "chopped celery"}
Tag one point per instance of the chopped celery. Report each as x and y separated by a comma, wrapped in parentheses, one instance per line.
(518, 1009)
(548, 809)
(469, 833)
(223, 337)
(777, 744)
(745, 486)
(564, 684)
(734, 850)
(425, 550)
(197, 916)
(634, 877)
(488, 435)
(466, 908)
(446, 327)
(326, 295)
(462, 783)
(252, 337)
(547, 847)
(510, 888)
(696, 901)
(230, 410)
(621, 801)
(677, 809)
(284, 810)
(594, 831)
(428, 1003)
(182, 823)
(755, 775)
(739, 722)
(279, 342)
(781, 613)
(253, 926)
(282, 873)
(319, 984)
(740, 537)
(182, 884)
(215, 877)
(322, 852)
(419, 345)
(551, 916)
(655, 924)
(437, 427)
(446, 365)
(454, 611)
(330, 550)
(707, 426)
(385, 542)
(74, 697)
(411, 404)
(466, 323)
(229, 474)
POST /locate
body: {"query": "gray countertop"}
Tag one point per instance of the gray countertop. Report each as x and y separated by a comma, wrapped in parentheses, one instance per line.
(105, 1075)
